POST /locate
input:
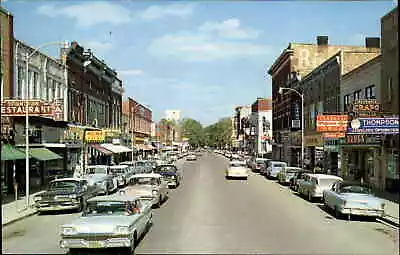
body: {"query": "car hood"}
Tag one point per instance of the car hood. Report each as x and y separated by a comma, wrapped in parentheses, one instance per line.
(59, 192)
(101, 224)
(359, 196)
(96, 177)
(139, 190)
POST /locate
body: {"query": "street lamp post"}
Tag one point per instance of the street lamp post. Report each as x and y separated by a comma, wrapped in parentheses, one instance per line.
(302, 120)
(27, 58)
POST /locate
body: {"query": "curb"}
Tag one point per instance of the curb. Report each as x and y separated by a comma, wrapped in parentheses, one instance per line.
(20, 218)
(390, 220)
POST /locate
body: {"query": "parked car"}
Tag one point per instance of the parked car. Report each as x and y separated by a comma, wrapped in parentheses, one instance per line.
(100, 176)
(274, 167)
(258, 164)
(287, 174)
(148, 186)
(237, 169)
(314, 185)
(122, 173)
(191, 157)
(65, 194)
(294, 181)
(353, 199)
(170, 173)
(108, 222)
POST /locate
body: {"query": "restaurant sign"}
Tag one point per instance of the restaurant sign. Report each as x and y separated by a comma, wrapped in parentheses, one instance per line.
(332, 123)
(94, 136)
(366, 107)
(16, 107)
(363, 139)
(388, 125)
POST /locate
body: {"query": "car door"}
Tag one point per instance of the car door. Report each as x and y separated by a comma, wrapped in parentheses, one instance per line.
(142, 219)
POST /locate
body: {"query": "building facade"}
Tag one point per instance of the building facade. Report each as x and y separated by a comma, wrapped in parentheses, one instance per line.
(261, 122)
(390, 93)
(295, 62)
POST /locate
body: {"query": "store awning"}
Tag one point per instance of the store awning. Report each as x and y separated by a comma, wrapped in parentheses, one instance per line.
(9, 152)
(114, 148)
(144, 147)
(100, 149)
(43, 154)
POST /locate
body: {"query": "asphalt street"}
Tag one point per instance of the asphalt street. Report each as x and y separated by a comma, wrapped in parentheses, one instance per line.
(208, 214)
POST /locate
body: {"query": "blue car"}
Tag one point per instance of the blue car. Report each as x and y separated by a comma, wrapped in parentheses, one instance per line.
(170, 173)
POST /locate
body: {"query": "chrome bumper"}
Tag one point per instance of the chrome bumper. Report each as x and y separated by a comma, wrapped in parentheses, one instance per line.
(363, 212)
(42, 207)
(82, 243)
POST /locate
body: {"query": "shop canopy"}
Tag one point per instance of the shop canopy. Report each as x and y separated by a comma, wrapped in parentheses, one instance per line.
(43, 154)
(9, 152)
(114, 148)
(100, 149)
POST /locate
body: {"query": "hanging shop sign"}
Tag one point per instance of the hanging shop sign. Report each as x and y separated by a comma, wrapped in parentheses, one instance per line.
(94, 136)
(366, 107)
(15, 107)
(332, 123)
(389, 125)
(363, 139)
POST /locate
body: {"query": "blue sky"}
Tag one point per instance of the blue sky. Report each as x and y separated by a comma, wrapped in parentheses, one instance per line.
(201, 57)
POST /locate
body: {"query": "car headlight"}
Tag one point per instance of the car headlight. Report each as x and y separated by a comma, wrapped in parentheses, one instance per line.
(122, 229)
(37, 198)
(72, 196)
(173, 177)
(68, 231)
(383, 206)
(154, 192)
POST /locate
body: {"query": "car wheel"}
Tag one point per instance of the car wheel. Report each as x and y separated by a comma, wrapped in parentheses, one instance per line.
(309, 197)
(81, 205)
(338, 214)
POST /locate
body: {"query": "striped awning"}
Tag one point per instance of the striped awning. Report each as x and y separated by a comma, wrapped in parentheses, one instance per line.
(114, 148)
(100, 149)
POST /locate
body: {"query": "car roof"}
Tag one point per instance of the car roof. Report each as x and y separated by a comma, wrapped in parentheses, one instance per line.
(152, 175)
(166, 165)
(118, 166)
(68, 179)
(116, 197)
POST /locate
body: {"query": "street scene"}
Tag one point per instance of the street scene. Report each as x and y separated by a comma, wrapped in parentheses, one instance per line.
(137, 127)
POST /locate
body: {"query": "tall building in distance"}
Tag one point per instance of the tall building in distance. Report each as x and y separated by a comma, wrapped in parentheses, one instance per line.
(174, 115)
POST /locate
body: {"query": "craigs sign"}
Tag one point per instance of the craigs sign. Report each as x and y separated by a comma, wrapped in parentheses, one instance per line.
(12, 108)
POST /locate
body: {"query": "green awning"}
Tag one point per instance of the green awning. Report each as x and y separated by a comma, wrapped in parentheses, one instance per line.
(9, 152)
(43, 154)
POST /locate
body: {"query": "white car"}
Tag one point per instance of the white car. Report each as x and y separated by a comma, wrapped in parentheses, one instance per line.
(314, 185)
(237, 169)
(274, 168)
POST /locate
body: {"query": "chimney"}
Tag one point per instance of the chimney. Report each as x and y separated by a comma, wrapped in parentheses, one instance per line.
(373, 42)
(322, 40)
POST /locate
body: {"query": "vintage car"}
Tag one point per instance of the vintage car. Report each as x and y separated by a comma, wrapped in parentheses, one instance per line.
(314, 185)
(299, 176)
(237, 169)
(148, 186)
(65, 194)
(108, 222)
(123, 174)
(191, 157)
(273, 168)
(170, 173)
(287, 174)
(100, 176)
(352, 199)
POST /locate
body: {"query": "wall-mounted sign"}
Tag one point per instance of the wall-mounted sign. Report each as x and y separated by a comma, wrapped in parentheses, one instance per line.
(313, 140)
(94, 136)
(363, 139)
(334, 135)
(14, 107)
(366, 106)
(332, 123)
(389, 125)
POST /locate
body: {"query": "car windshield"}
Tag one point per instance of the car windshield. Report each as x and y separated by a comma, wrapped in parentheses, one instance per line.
(97, 170)
(111, 208)
(354, 189)
(58, 185)
(326, 182)
(145, 181)
(237, 165)
(292, 170)
(260, 161)
(118, 170)
(140, 163)
(278, 165)
(164, 169)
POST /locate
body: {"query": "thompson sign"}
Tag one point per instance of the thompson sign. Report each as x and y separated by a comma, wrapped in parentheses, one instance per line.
(389, 125)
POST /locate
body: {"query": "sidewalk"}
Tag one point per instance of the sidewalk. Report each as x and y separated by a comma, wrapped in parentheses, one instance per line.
(391, 213)
(15, 211)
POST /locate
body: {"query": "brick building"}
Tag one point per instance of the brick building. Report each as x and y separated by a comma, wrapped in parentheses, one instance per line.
(295, 62)
(390, 92)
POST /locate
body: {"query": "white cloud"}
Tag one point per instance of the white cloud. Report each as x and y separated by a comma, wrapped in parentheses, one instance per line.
(97, 45)
(131, 72)
(89, 13)
(206, 45)
(230, 28)
(173, 10)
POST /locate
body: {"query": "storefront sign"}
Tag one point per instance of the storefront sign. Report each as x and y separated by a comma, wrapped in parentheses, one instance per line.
(388, 125)
(295, 139)
(363, 139)
(366, 106)
(94, 136)
(313, 141)
(332, 123)
(35, 108)
(333, 135)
